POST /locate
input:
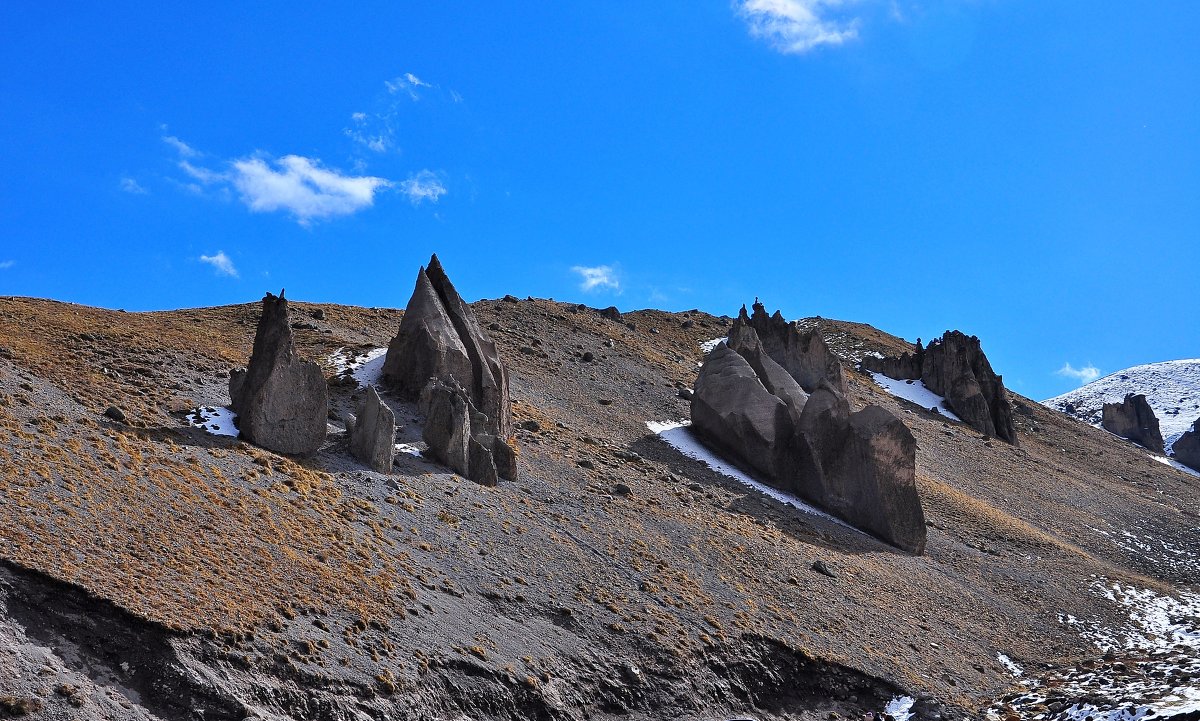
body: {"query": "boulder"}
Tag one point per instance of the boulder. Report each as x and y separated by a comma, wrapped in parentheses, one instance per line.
(955, 367)
(859, 466)
(281, 401)
(803, 354)
(457, 435)
(1187, 448)
(373, 432)
(1133, 418)
(440, 340)
(733, 410)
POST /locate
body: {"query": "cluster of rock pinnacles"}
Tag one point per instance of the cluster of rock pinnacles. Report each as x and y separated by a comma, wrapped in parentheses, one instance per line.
(1134, 419)
(775, 398)
(440, 357)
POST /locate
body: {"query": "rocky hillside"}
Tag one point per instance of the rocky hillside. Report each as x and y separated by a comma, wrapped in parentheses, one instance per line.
(152, 569)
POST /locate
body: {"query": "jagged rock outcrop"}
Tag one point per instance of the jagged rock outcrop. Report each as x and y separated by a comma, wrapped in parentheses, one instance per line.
(955, 367)
(1186, 449)
(281, 401)
(373, 432)
(440, 340)
(1133, 418)
(459, 435)
(803, 354)
(860, 466)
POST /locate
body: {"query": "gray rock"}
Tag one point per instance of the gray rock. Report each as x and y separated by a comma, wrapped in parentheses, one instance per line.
(611, 313)
(803, 354)
(737, 414)
(114, 413)
(745, 341)
(281, 401)
(955, 367)
(1133, 418)
(440, 340)
(373, 432)
(1187, 448)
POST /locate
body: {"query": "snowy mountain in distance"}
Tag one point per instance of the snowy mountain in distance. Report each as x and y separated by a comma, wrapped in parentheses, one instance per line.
(1172, 388)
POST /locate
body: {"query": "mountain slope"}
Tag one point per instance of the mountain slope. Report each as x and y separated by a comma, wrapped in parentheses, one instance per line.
(617, 578)
(1172, 388)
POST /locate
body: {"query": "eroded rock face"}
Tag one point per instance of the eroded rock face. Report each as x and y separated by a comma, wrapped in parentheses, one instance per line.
(458, 435)
(440, 340)
(803, 354)
(860, 466)
(1133, 418)
(955, 367)
(281, 401)
(373, 433)
(1187, 448)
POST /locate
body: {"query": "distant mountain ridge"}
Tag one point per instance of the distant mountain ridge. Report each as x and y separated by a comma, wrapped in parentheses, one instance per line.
(1172, 389)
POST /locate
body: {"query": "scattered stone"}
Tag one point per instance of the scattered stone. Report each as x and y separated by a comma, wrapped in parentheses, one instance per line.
(822, 568)
(611, 313)
(585, 463)
(621, 489)
(373, 432)
(687, 324)
(114, 413)
(685, 393)
(511, 299)
(530, 425)
(281, 402)
(1133, 418)
(588, 357)
(317, 313)
(605, 401)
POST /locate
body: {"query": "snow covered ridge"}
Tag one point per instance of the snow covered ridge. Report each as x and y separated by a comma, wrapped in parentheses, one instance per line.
(1172, 388)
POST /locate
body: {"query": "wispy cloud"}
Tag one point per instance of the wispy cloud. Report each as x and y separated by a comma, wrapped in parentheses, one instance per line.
(798, 26)
(221, 264)
(6, 264)
(422, 186)
(1084, 375)
(294, 184)
(129, 185)
(599, 277)
(184, 150)
(372, 132)
(406, 83)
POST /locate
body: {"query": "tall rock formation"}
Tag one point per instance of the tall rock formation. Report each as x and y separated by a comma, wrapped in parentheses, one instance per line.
(803, 354)
(955, 367)
(859, 466)
(373, 433)
(1133, 418)
(441, 357)
(281, 401)
(1187, 448)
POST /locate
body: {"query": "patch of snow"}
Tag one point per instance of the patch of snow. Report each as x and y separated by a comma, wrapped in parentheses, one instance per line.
(1176, 464)
(365, 367)
(915, 392)
(1172, 388)
(708, 345)
(1148, 666)
(216, 420)
(1009, 664)
(411, 449)
(900, 708)
(679, 436)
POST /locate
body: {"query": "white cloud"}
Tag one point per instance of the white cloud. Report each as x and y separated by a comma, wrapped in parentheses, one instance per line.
(423, 186)
(129, 185)
(379, 140)
(597, 278)
(798, 26)
(184, 150)
(407, 83)
(294, 184)
(1084, 375)
(220, 263)
(6, 264)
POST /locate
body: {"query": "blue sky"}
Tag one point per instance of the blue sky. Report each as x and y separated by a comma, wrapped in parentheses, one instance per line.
(1025, 171)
